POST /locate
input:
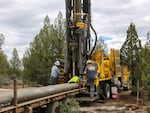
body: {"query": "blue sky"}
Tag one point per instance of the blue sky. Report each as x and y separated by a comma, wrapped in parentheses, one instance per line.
(106, 38)
(21, 20)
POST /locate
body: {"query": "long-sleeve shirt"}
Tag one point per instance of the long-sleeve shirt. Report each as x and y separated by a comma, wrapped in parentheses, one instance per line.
(55, 71)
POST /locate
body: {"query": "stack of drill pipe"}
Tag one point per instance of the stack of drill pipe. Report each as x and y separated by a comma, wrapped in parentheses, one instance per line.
(27, 94)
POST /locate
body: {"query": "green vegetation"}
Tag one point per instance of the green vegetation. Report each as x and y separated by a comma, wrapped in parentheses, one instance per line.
(4, 68)
(9, 70)
(2, 38)
(130, 55)
(146, 72)
(15, 65)
(38, 59)
(71, 107)
(47, 46)
(138, 61)
(4, 64)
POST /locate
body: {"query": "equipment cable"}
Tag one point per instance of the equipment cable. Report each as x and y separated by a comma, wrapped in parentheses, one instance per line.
(95, 39)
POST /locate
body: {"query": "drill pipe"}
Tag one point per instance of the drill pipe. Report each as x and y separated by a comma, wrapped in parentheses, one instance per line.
(27, 94)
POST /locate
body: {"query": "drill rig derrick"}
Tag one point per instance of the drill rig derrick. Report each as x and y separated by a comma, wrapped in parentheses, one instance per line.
(78, 20)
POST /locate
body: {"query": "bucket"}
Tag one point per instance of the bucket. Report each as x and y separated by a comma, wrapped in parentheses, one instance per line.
(114, 93)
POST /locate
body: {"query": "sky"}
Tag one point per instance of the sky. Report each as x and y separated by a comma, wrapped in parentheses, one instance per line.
(21, 20)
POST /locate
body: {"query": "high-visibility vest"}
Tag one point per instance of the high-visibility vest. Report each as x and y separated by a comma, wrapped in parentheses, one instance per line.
(74, 79)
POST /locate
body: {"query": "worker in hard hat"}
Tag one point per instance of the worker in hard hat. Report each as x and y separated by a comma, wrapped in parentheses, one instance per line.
(91, 72)
(55, 72)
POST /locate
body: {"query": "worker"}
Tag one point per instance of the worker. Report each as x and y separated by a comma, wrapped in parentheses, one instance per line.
(55, 72)
(91, 72)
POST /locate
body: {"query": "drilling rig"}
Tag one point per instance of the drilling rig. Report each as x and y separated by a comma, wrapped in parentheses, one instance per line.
(78, 24)
(79, 50)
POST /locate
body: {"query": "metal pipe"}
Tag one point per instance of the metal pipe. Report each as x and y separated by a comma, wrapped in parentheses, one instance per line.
(27, 94)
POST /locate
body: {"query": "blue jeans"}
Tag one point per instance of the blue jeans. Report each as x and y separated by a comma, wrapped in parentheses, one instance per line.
(91, 81)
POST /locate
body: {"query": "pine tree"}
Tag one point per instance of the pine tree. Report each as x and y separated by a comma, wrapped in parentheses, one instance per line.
(37, 58)
(3, 58)
(15, 64)
(59, 26)
(2, 38)
(4, 65)
(4, 68)
(42, 53)
(131, 54)
(146, 71)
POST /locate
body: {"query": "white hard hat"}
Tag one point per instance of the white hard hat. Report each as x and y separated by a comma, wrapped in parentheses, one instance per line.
(89, 61)
(57, 63)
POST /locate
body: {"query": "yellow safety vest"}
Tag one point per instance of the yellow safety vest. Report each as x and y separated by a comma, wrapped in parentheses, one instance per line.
(74, 79)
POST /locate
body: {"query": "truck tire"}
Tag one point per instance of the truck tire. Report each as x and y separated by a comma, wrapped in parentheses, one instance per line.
(53, 107)
(127, 87)
(66, 101)
(98, 92)
(107, 91)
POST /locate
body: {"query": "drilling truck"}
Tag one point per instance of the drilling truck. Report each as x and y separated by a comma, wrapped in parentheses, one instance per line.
(78, 51)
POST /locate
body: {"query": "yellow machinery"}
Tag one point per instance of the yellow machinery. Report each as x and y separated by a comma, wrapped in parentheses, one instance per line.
(79, 50)
(111, 72)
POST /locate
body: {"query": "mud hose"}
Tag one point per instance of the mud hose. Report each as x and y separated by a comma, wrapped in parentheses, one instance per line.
(95, 39)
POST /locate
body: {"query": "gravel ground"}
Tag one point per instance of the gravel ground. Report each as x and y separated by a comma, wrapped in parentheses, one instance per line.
(125, 104)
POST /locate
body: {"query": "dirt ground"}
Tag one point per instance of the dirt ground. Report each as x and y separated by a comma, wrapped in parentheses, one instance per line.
(125, 104)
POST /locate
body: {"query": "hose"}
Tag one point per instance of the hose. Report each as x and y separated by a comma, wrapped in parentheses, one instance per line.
(95, 39)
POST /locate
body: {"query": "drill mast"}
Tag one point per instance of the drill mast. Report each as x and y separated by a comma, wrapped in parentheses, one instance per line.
(78, 20)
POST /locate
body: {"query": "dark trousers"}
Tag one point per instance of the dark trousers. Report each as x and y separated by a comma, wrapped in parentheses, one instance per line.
(91, 81)
(53, 80)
